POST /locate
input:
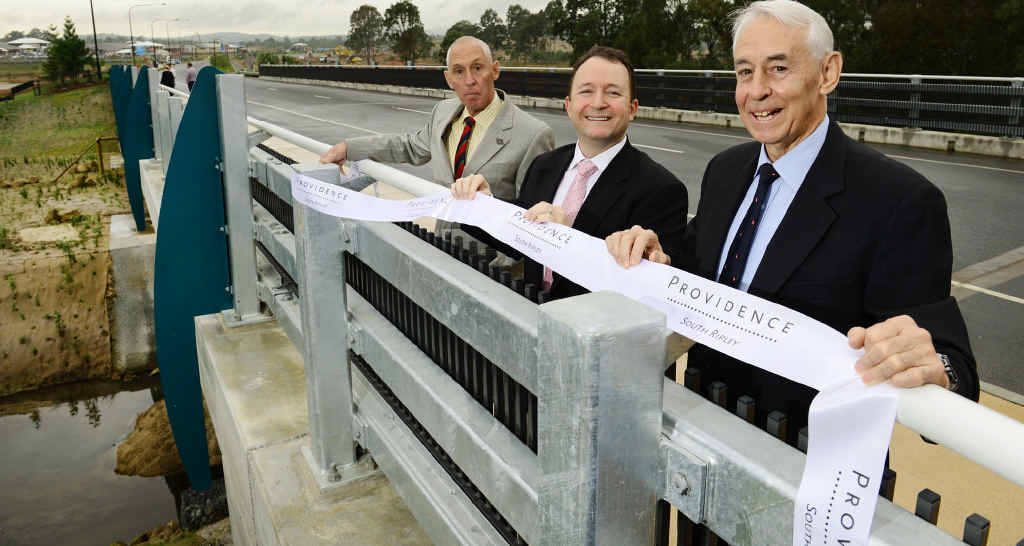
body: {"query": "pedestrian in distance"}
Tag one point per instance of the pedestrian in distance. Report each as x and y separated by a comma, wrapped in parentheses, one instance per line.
(190, 76)
(167, 77)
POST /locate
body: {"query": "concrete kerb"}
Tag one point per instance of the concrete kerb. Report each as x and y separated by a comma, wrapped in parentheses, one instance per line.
(1006, 148)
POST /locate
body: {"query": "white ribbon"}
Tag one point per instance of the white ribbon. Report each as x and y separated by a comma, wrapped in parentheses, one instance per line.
(849, 423)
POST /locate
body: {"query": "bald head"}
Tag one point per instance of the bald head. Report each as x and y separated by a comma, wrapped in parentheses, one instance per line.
(468, 42)
(471, 73)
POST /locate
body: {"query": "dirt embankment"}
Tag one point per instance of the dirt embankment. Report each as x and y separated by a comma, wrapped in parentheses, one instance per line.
(54, 231)
(149, 450)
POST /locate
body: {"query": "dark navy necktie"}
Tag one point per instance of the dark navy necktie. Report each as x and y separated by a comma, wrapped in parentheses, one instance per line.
(736, 260)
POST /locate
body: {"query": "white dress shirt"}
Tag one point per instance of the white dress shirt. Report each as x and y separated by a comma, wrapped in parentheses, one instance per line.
(600, 161)
(792, 168)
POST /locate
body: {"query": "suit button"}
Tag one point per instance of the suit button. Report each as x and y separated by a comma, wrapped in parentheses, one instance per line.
(500, 142)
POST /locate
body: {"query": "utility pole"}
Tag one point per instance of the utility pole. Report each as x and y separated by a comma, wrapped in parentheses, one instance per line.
(95, 43)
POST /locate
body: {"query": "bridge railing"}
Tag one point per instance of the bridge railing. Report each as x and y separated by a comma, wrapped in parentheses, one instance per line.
(958, 104)
(499, 417)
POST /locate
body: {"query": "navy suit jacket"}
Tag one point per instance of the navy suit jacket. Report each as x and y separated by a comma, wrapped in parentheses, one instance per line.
(865, 239)
(633, 190)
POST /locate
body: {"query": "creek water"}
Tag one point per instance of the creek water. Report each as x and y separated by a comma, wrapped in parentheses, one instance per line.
(57, 455)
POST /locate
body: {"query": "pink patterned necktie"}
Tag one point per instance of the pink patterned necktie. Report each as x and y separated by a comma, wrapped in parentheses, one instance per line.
(573, 202)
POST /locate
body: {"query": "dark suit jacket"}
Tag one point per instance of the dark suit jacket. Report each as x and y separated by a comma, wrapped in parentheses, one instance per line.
(167, 78)
(633, 190)
(865, 239)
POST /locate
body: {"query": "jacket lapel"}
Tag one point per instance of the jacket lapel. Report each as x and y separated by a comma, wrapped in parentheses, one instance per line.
(724, 195)
(606, 191)
(808, 217)
(497, 136)
(548, 173)
(439, 146)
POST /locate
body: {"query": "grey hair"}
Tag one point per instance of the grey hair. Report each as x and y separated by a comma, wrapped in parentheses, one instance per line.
(792, 14)
(462, 39)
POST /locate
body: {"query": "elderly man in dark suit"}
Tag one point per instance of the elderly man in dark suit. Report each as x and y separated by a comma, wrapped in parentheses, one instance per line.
(813, 220)
(600, 184)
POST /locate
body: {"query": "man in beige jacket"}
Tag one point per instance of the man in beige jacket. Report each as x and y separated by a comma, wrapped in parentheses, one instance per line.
(478, 133)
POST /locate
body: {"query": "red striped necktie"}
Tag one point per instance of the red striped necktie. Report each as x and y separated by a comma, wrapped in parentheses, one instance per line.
(462, 152)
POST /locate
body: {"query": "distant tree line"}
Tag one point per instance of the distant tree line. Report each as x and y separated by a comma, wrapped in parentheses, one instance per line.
(966, 37)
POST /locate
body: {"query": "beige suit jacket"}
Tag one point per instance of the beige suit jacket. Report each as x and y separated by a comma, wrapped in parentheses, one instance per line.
(510, 144)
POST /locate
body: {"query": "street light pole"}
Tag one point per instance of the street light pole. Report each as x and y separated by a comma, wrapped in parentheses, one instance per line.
(131, 32)
(95, 43)
(167, 32)
(152, 36)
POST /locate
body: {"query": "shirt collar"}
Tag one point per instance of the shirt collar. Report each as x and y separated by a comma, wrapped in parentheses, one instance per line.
(601, 160)
(491, 111)
(794, 164)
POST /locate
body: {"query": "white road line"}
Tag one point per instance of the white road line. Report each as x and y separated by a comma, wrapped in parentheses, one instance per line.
(993, 293)
(315, 118)
(955, 164)
(657, 148)
(322, 97)
(737, 137)
(411, 110)
(271, 89)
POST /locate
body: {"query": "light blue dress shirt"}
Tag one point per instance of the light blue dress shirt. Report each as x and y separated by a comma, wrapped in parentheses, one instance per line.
(792, 168)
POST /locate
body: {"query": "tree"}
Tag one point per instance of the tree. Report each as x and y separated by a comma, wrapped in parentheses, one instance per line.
(584, 23)
(67, 55)
(968, 37)
(713, 28)
(461, 28)
(526, 31)
(404, 30)
(12, 35)
(366, 30)
(493, 30)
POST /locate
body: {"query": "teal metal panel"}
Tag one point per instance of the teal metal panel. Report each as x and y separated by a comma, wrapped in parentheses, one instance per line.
(138, 137)
(120, 96)
(191, 275)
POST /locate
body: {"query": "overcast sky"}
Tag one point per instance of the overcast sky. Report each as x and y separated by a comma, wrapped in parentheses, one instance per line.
(294, 18)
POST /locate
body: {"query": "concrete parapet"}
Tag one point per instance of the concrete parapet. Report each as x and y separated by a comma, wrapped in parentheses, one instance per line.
(1007, 148)
(254, 383)
(133, 345)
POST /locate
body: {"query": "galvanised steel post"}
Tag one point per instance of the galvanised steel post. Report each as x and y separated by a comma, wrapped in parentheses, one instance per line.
(915, 99)
(237, 195)
(162, 126)
(154, 90)
(176, 105)
(600, 366)
(1015, 102)
(322, 299)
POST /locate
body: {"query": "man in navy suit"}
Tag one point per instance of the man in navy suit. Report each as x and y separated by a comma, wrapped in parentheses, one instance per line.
(844, 234)
(600, 184)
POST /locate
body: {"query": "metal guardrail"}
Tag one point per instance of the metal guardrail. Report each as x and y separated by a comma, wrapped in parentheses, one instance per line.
(959, 104)
(521, 421)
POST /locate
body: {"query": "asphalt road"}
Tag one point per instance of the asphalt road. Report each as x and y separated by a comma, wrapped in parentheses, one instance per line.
(985, 196)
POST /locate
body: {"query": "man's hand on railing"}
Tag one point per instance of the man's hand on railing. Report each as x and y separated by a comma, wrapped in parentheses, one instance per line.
(466, 187)
(337, 154)
(898, 351)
